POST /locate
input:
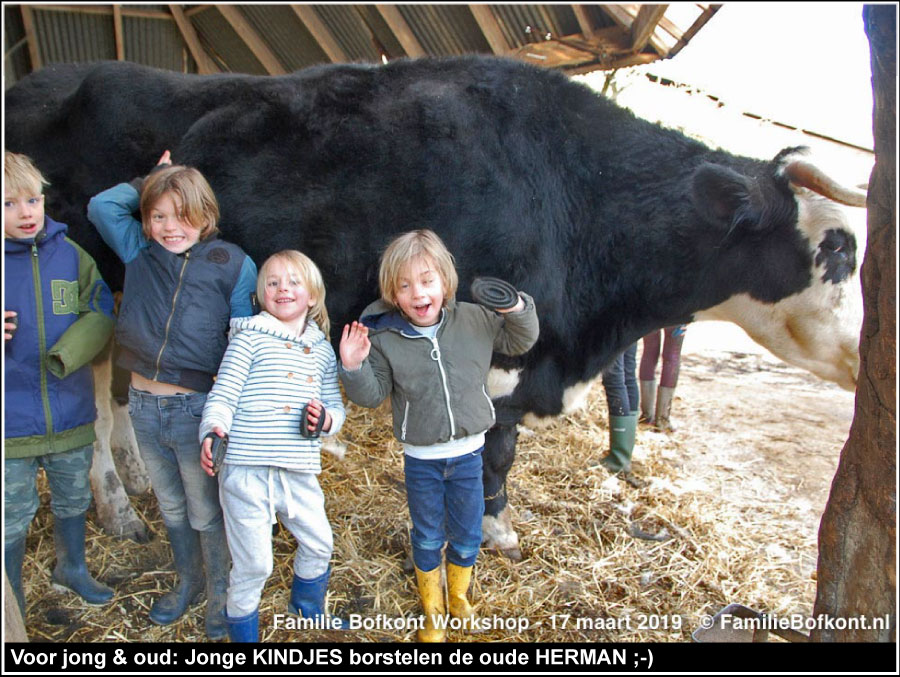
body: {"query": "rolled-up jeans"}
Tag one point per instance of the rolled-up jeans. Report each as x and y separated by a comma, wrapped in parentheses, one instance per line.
(446, 504)
(167, 428)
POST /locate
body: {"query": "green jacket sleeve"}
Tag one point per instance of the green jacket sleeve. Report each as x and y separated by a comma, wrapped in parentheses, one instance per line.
(90, 333)
(518, 331)
(369, 385)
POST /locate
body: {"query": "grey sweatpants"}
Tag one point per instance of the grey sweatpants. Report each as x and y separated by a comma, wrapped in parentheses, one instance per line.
(251, 497)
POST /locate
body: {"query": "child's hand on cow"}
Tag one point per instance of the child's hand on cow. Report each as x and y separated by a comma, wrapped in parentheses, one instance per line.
(355, 345)
(314, 411)
(166, 159)
(206, 460)
(10, 323)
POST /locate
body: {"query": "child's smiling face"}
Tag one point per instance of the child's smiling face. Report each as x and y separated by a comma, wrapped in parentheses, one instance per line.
(169, 226)
(287, 297)
(420, 292)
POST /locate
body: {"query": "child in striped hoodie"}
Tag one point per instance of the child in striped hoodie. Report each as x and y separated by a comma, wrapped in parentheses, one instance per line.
(277, 363)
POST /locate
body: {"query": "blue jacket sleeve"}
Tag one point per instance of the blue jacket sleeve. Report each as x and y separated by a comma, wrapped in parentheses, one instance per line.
(112, 213)
(241, 304)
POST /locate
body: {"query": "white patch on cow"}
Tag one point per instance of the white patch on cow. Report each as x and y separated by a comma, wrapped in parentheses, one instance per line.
(502, 382)
(114, 510)
(574, 399)
(497, 533)
(126, 454)
(819, 328)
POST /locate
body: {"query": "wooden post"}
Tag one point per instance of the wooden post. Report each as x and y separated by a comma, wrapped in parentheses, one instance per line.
(858, 534)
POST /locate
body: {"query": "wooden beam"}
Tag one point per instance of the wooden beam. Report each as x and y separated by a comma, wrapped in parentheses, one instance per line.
(619, 14)
(320, 33)
(490, 28)
(119, 32)
(205, 65)
(624, 62)
(584, 22)
(252, 39)
(700, 22)
(644, 25)
(34, 52)
(401, 30)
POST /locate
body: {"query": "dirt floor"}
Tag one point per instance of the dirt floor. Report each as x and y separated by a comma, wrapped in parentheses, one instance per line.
(728, 513)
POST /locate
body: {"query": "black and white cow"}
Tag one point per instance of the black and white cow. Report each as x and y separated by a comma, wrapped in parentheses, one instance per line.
(616, 226)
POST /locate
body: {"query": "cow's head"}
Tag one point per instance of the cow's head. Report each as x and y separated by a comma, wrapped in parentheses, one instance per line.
(818, 328)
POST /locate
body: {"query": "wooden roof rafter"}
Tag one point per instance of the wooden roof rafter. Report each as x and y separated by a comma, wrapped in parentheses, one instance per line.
(205, 65)
(401, 30)
(490, 28)
(320, 32)
(252, 39)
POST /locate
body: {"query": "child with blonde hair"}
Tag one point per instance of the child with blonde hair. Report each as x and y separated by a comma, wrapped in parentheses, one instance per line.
(182, 285)
(431, 355)
(277, 388)
(58, 317)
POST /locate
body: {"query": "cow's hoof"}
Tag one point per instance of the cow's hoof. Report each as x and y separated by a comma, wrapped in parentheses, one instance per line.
(134, 530)
(514, 554)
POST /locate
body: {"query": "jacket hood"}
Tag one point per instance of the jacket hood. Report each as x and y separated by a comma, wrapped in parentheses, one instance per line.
(379, 316)
(267, 324)
(50, 230)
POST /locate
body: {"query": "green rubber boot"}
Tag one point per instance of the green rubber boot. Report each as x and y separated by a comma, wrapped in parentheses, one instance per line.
(622, 431)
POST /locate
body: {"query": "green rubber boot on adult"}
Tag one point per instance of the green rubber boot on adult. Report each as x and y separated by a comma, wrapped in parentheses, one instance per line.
(622, 431)
(13, 557)
(71, 571)
(189, 567)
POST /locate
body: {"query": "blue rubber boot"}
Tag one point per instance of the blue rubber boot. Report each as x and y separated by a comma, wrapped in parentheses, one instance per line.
(71, 571)
(13, 557)
(308, 601)
(243, 629)
(189, 567)
(217, 562)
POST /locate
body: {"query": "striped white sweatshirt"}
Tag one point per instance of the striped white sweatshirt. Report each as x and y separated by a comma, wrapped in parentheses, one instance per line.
(267, 375)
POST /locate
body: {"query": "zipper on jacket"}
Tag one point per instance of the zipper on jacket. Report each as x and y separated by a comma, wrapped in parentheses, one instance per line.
(403, 426)
(42, 338)
(490, 403)
(187, 256)
(436, 356)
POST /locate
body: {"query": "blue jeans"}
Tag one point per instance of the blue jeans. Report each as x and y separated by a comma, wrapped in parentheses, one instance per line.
(167, 428)
(620, 384)
(446, 504)
(68, 474)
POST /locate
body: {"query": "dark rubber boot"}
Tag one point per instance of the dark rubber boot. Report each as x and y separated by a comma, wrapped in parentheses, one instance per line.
(622, 431)
(189, 567)
(71, 571)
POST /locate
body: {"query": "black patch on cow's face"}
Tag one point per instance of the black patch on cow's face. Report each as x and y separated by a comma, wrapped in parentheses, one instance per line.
(837, 253)
(218, 255)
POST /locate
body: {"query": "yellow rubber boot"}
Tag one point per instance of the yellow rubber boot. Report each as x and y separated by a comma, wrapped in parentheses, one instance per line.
(432, 593)
(458, 579)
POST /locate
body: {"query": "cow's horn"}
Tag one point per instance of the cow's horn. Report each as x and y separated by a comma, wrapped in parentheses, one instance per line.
(809, 176)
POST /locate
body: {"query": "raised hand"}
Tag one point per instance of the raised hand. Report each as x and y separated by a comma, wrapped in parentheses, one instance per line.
(355, 345)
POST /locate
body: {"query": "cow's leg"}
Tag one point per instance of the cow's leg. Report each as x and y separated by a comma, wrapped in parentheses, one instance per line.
(497, 530)
(126, 455)
(114, 510)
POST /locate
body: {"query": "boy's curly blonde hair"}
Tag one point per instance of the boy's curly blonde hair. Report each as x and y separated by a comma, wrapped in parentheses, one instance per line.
(405, 249)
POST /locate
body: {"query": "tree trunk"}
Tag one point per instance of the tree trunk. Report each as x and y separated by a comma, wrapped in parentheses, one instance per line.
(858, 537)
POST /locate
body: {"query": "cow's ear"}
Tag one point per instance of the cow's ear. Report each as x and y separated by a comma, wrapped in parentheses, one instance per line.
(722, 196)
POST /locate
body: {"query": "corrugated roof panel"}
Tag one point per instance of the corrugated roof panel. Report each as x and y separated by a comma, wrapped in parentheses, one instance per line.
(156, 43)
(66, 37)
(349, 30)
(445, 29)
(224, 44)
(285, 35)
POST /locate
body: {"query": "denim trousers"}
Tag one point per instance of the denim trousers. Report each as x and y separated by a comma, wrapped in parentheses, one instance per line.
(620, 384)
(167, 428)
(446, 505)
(68, 474)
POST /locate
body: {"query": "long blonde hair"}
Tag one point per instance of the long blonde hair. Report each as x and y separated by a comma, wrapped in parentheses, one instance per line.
(198, 202)
(303, 266)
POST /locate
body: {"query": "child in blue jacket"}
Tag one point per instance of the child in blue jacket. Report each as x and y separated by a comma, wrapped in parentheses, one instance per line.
(182, 286)
(58, 316)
